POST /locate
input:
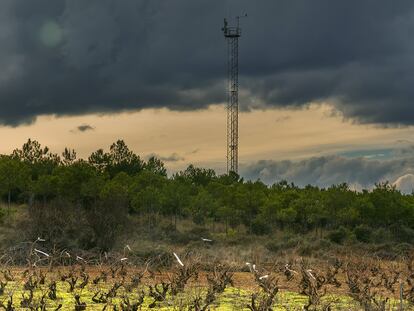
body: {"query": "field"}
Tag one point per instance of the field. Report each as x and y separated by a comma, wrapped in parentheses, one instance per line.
(66, 281)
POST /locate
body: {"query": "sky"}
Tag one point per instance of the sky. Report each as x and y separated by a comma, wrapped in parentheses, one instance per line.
(326, 86)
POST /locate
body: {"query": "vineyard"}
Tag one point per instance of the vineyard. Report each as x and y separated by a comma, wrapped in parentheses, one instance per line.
(194, 240)
(36, 279)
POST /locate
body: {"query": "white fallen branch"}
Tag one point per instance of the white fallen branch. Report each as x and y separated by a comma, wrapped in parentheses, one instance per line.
(179, 260)
(309, 272)
(252, 267)
(290, 270)
(41, 252)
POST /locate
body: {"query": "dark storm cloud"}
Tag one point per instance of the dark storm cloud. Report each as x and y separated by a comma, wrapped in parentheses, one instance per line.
(325, 171)
(174, 157)
(75, 56)
(84, 128)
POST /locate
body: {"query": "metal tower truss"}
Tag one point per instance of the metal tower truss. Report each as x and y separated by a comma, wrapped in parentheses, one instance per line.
(232, 35)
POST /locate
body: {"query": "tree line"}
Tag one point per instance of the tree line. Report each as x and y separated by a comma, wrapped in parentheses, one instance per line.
(89, 201)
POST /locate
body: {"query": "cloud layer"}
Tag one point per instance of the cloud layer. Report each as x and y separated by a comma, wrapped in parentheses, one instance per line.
(74, 57)
(324, 171)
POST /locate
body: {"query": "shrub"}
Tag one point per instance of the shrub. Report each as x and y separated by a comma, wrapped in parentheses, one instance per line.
(199, 219)
(338, 236)
(403, 233)
(259, 227)
(288, 242)
(381, 235)
(195, 234)
(108, 219)
(363, 234)
(59, 222)
(199, 232)
(234, 222)
(305, 248)
(2, 214)
(403, 249)
(168, 228)
(324, 244)
(274, 246)
(385, 251)
(178, 237)
(291, 242)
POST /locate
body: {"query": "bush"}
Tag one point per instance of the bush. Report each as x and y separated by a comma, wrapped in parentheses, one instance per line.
(234, 237)
(108, 219)
(363, 234)
(403, 249)
(274, 246)
(60, 223)
(259, 227)
(381, 235)
(234, 222)
(305, 248)
(288, 242)
(195, 234)
(168, 228)
(403, 234)
(385, 251)
(386, 255)
(199, 232)
(291, 242)
(338, 236)
(2, 214)
(324, 244)
(178, 237)
(199, 219)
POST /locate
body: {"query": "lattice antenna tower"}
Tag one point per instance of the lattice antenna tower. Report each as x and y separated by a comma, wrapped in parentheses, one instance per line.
(232, 35)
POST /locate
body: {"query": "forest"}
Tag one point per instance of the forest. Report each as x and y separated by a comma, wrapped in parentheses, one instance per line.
(94, 203)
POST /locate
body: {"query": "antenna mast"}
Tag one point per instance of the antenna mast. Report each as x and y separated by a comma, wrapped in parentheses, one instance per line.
(232, 35)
